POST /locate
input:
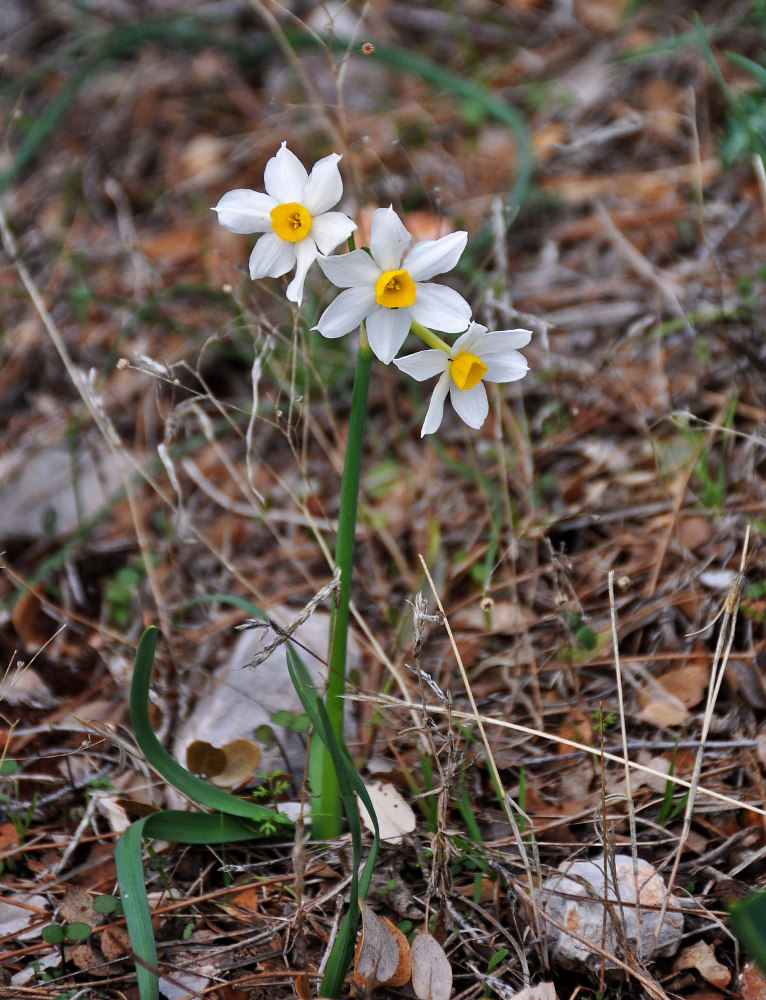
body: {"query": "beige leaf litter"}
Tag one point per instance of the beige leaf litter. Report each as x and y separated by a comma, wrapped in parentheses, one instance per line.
(395, 817)
(431, 970)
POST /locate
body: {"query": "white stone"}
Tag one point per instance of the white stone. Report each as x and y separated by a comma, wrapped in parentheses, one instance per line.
(574, 897)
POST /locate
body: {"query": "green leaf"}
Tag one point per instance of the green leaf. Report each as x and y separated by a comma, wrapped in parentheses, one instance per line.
(176, 825)
(78, 930)
(8, 766)
(235, 819)
(349, 782)
(754, 68)
(107, 904)
(53, 933)
(186, 782)
(748, 919)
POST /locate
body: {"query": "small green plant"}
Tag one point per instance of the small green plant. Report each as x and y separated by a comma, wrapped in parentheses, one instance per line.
(748, 919)
(120, 591)
(273, 786)
(8, 766)
(669, 807)
(602, 721)
(77, 930)
(492, 964)
(745, 133)
(108, 905)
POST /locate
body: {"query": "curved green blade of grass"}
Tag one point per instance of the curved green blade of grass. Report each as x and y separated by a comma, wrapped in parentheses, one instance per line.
(186, 782)
(235, 819)
(748, 919)
(349, 783)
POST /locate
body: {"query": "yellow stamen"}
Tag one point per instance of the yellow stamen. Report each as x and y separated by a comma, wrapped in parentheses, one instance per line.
(290, 221)
(395, 289)
(467, 370)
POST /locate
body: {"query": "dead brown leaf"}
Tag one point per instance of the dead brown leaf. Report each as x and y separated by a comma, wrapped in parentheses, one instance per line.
(114, 943)
(76, 905)
(688, 683)
(700, 956)
(752, 983)
(383, 953)
(83, 956)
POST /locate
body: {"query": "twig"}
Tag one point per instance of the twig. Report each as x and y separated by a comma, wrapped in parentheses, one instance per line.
(624, 738)
(283, 633)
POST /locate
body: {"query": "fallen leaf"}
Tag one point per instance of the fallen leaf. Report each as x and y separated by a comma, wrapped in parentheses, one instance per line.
(243, 904)
(395, 817)
(18, 912)
(687, 683)
(77, 906)
(383, 953)
(431, 970)
(302, 987)
(114, 943)
(540, 991)
(242, 759)
(83, 956)
(113, 812)
(700, 956)
(662, 709)
(204, 759)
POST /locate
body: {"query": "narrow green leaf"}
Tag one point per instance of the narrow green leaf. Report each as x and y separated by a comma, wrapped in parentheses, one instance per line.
(176, 825)
(235, 819)
(349, 781)
(754, 68)
(186, 782)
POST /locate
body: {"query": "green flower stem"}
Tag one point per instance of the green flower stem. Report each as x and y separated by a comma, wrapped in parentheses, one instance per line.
(326, 806)
(429, 336)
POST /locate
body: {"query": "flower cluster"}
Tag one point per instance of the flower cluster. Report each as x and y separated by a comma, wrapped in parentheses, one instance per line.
(387, 287)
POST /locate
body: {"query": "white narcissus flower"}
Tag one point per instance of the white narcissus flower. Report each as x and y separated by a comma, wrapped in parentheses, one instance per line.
(293, 214)
(388, 293)
(475, 358)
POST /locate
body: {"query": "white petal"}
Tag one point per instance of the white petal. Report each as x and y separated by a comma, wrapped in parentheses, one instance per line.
(388, 238)
(440, 308)
(424, 364)
(436, 406)
(305, 255)
(471, 405)
(331, 229)
(467, 340)
(503, 340)
(244, 211)
(430, 257)
(387, 330)
(506, 367)
(349, 269)
(285, 177)
(324, 187)
(271, 257)
(346, 312)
